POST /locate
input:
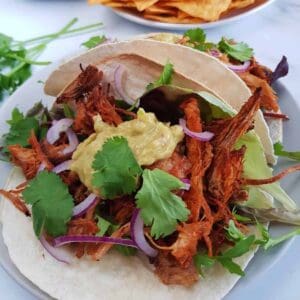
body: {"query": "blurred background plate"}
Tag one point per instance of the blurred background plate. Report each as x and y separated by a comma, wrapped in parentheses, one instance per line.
(225, 18)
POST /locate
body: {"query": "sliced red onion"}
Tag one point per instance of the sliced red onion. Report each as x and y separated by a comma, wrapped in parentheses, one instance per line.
(67, 239)
(204, 136)
(137, 234)
(118, 76)
(57, 128)
(62, 167)
(83, 206)
(41, 167)
(187, 183)
(240, 68)
(73, 142)
(59, 254)
(215, 53)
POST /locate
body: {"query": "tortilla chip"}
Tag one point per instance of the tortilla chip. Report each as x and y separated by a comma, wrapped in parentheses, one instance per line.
(208, 10)
(143, 4)
(240, 3)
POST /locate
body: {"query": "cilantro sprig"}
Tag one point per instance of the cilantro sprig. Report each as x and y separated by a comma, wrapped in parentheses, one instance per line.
(239, 51)
(51, 202)
(20, 129)
(17, 57)
(160, 208)
(197, 40)
(116, 173)
(116, 169)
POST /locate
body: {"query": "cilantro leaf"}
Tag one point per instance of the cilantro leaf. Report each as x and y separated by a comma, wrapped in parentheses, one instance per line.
(160, 208)
(279, 151)
(16, 116)
(164, 79)
(230, 265)
(196, 35)
(197, 39)
(20, 129)
(239, 51)
(94, 41)
(51, 202)
(116, 169)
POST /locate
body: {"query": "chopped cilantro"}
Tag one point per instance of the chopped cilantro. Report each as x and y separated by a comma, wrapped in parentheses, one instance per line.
(164, 79)
(116, 169)
(279, 151)
(160, 208)
(94, 41)
(51, 202)
(239, 51)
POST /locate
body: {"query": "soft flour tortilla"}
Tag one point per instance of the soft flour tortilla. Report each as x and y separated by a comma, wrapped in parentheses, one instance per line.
(207, 71)
(114, 277)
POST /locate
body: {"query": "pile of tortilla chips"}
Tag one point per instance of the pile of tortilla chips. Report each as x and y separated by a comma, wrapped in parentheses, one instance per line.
(178, 11)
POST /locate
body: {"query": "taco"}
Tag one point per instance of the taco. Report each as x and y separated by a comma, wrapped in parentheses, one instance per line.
(135, 182)
(206, 69)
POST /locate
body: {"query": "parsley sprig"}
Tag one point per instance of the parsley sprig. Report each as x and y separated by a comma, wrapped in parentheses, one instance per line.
(17, 57)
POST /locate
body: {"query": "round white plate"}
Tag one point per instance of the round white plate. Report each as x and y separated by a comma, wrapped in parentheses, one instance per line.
(259, 269)
(228, 18)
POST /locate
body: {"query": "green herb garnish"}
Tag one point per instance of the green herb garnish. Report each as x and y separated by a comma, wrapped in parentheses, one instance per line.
(52, 204)
(280, 151)
(160, 208)
(116, 169)
(164, 79)
(94, 41)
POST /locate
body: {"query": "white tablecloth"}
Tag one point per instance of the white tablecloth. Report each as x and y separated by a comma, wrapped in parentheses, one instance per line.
(272, 32)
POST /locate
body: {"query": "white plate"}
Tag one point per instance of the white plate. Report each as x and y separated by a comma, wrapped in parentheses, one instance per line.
(228, 18)
(259, 269)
